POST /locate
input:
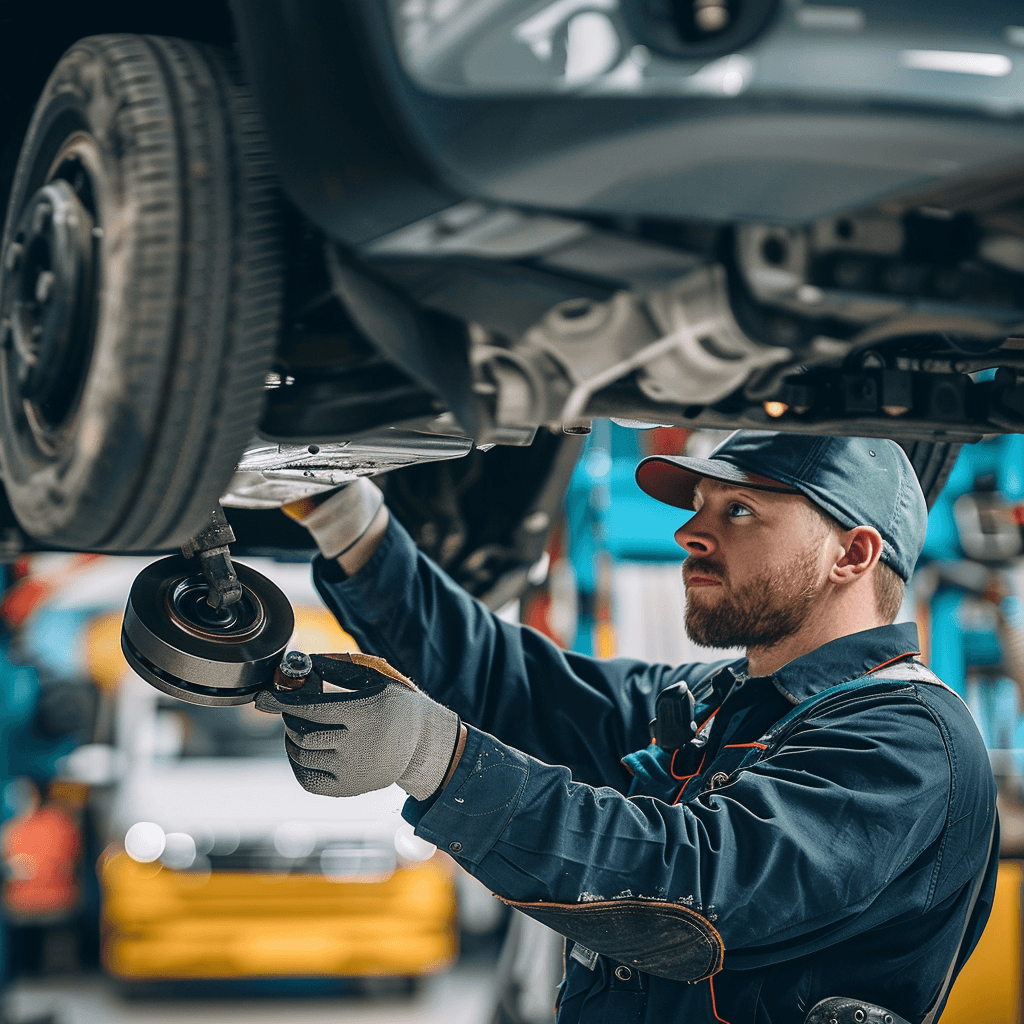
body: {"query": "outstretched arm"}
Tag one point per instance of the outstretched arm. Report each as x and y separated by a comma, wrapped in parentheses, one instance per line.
(506, 679)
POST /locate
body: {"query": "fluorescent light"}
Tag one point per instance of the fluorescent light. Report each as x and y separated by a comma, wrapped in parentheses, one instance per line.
(992, 65)
(836, 19)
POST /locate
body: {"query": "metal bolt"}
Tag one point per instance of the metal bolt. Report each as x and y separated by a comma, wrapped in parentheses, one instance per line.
(41, 217)
(455, 847)
(711, 17)
(15, 251)
(44, 286)
(296, 665)
(537, 522)
(580, 427)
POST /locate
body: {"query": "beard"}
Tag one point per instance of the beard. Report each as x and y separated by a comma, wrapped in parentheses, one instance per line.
(772, 605)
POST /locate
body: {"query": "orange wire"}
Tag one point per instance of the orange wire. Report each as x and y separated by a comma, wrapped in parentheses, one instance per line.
(899, 657)
(714, 1009)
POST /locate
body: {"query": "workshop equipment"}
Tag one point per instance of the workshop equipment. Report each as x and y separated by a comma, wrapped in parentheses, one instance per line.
(207, 630)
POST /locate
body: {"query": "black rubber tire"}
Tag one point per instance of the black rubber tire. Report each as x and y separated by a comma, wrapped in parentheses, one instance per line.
(933, 461)
(187, 304)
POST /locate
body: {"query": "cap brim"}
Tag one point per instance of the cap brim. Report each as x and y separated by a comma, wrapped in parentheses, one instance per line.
(673, 479)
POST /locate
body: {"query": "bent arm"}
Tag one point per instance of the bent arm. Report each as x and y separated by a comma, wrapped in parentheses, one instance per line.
(786, 858)
(506, 679)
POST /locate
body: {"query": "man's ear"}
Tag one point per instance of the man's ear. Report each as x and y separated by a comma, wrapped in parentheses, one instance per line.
(862, 547)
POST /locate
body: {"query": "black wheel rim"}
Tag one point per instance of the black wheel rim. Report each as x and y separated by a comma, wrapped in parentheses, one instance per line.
(51, 273)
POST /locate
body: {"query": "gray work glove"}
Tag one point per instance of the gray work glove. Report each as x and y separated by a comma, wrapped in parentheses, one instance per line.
(338, 519)
(385, 731)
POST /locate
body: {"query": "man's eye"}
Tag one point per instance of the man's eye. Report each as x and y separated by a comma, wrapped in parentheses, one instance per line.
(737, 511)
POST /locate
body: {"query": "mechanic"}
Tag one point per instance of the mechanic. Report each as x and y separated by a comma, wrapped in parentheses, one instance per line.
(823, 827)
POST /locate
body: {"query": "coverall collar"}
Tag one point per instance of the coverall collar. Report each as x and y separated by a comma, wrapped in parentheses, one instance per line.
(844, 659)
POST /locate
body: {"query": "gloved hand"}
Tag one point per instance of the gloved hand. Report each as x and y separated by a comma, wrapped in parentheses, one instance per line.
(338, 519)
(385, 731)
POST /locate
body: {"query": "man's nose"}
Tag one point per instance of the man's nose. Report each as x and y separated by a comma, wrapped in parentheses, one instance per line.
(693, 540)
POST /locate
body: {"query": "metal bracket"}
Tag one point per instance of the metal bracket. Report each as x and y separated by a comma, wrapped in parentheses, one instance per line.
(211, 545)
(270, 475)
(682, 342)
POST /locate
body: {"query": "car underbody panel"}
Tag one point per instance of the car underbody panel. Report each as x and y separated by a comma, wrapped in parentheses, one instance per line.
(813, 228)
(496, 225)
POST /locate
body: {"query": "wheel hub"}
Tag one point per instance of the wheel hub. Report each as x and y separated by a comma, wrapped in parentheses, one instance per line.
(175, 640)
(49, 263)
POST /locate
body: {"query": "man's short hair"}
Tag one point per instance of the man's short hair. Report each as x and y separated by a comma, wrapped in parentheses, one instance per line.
(889, 587)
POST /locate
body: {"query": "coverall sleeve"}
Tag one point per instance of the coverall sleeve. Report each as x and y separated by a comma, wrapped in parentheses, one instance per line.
(786, 857)
(504, 678)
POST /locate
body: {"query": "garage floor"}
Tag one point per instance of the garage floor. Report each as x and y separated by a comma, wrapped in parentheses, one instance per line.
(463, 996)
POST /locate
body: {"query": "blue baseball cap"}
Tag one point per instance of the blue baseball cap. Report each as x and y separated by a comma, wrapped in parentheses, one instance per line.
(861, 481)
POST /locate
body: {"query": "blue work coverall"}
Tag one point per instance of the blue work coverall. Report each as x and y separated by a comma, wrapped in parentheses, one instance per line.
(839, 860)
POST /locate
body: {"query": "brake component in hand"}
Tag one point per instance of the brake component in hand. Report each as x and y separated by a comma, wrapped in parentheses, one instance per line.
(177, 641)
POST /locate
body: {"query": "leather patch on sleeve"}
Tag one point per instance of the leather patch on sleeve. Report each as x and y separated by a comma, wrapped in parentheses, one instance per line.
(663, 939)
(376, 664)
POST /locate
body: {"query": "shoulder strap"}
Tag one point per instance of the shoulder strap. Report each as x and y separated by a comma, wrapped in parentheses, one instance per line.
(805, 707)
(933, 1012)
(915, 671)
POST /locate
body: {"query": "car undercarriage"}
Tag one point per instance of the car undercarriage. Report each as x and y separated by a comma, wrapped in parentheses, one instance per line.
(249, 256)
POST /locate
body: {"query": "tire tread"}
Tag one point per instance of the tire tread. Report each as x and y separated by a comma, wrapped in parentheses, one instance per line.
(203, 294)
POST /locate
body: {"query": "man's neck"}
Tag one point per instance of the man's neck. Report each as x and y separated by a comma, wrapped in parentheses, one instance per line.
(832, 620)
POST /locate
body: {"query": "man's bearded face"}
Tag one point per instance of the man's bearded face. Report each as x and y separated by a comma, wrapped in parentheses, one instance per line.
(767, 607)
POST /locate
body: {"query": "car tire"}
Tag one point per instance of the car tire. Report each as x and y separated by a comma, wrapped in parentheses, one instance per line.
(933, 461)
(131, 377)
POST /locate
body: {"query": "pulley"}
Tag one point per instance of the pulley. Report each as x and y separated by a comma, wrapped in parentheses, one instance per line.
(175, 639)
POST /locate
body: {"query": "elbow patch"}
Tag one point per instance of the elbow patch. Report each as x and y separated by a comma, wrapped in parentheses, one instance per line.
(659, 938)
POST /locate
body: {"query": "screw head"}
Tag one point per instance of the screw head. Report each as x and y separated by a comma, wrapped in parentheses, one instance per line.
(44, 286)
(12, 259)
(41, 216)
(296, 665)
